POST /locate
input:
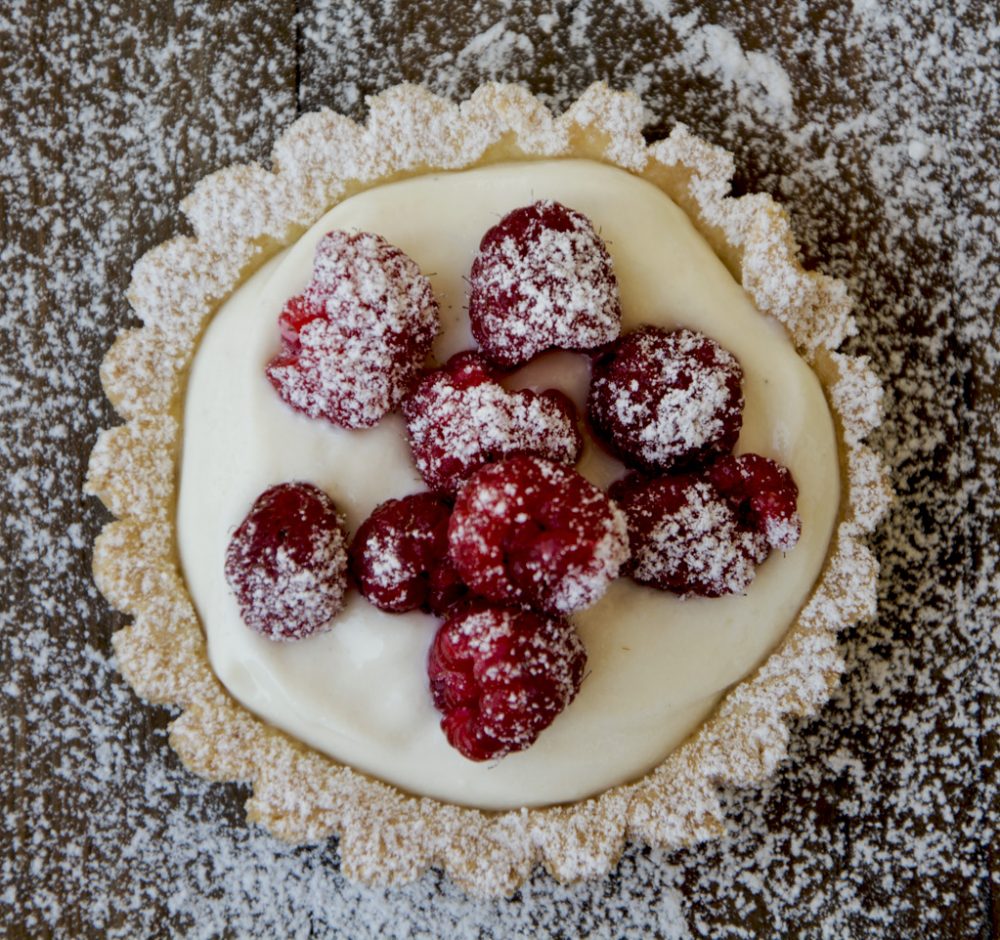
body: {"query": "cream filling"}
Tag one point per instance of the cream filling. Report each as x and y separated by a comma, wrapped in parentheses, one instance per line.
(657, 665)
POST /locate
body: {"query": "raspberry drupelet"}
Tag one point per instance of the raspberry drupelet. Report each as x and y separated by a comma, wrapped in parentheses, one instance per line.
(459, 418)
(530, 532)
(501, 676)
(354, 340)
(399, 556)
(665, 399)
(543, 279)
(287, 564)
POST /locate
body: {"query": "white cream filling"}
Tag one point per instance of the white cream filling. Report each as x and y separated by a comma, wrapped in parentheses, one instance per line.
(657, 664)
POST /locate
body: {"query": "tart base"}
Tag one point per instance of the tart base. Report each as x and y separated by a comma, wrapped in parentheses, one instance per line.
(244, 214)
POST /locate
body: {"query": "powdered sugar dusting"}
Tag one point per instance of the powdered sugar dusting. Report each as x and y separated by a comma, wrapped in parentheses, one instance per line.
(353, 342)
(531, 531)
(884, 164)
(458, 418)
(584, 584)
(782, 533)
(666, 398)
(542, 279)
(703, 539)
(501, 676)
(764, 495)
(287, 563)
(399, 556)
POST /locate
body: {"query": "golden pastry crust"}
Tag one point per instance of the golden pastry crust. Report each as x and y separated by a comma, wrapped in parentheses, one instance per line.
(244, 214)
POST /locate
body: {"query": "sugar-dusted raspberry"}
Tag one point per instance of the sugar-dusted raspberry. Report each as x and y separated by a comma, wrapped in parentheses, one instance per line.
(686, 537)
(287, 562)
(666, 399)
(543, 279)
(501, 676)
(533, 532)
(459, 418)
(354, 340)
(399, 556)
(764, 496)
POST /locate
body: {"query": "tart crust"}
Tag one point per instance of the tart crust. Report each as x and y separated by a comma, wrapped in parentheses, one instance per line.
(244, 214)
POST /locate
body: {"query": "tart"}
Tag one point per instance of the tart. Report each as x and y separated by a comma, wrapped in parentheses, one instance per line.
(398, 799)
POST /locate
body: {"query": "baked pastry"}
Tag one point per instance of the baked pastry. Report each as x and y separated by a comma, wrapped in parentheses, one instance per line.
(480, 831)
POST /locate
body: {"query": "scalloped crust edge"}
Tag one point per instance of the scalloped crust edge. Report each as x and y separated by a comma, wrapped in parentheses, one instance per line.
(243, 214)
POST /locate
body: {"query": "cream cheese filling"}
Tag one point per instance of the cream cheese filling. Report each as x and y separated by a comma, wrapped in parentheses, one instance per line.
(657, 665)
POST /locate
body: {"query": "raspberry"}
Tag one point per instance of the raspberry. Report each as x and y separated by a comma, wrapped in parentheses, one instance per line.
(399, 556)
(460, 418)
(686, 537)
(666, 400)
(286, 562)
(500, 677)
(764, 496)
(354, 340)
(532, 532)
(542, 279)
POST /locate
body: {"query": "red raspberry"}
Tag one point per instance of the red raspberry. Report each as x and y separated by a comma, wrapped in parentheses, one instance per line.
(353, 341)
(460, 418)
(764, 496)
(542, 279)
(667, 399)
(500, 677)
(399, 556)
(686, 537)
(286, 562)
(532, 532)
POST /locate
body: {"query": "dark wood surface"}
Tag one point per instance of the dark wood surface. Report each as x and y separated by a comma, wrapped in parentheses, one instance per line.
(881, 824)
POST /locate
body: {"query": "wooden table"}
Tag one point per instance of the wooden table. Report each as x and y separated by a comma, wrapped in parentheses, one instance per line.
(874, 126)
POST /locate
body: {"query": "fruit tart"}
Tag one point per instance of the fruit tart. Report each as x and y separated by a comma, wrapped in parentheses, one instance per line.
(490, 488)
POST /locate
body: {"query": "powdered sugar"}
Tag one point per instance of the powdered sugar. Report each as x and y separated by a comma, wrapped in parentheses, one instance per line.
(458, 418)
(755, 77)
(500, 677)
(530, 531)
(399, 556)
(542, 279)
(353, 342)
(879, 825)
(584, 584)
(666, 398)
(686, 538)
(702, 536)
(763, 495)
(782, 534)
(287, 563)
